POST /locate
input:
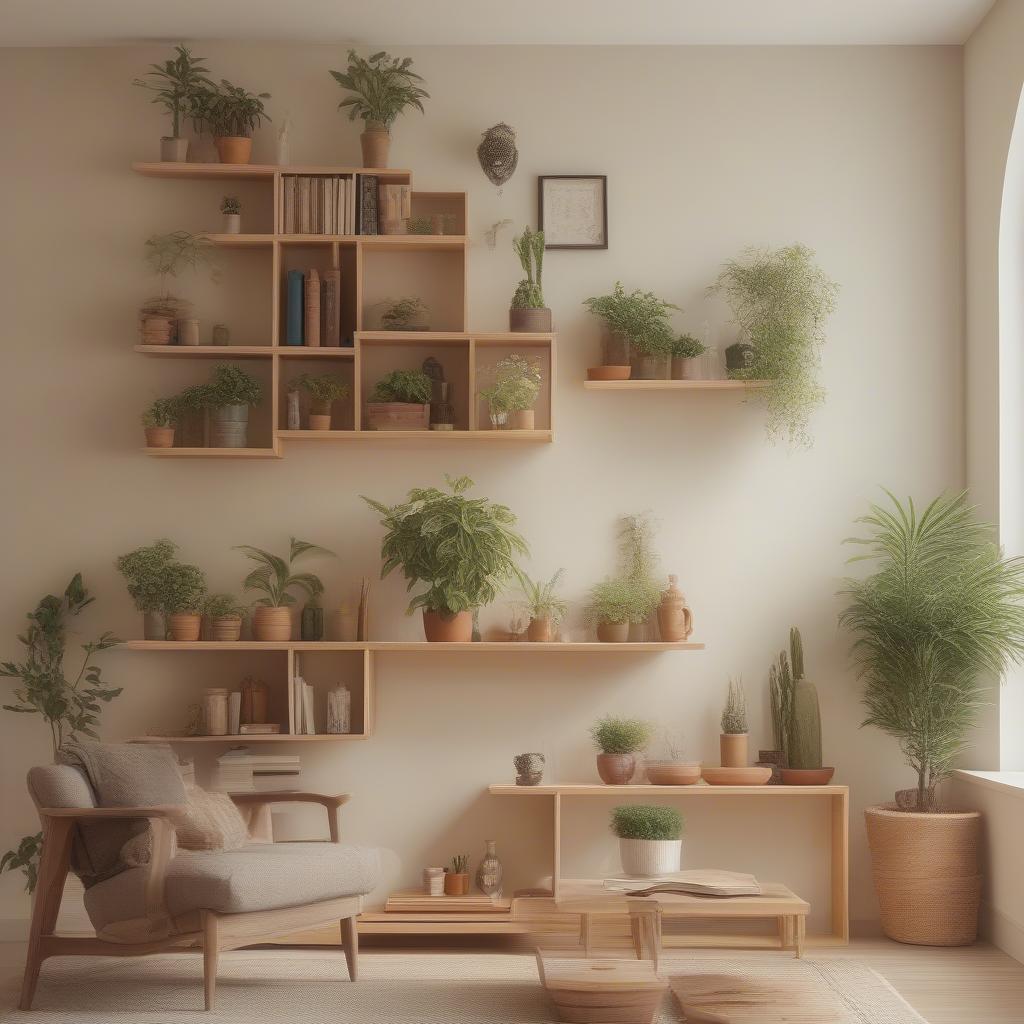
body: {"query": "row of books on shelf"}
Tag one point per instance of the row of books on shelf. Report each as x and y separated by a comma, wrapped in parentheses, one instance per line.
(339, 204)
(313, 309)
(241, 771)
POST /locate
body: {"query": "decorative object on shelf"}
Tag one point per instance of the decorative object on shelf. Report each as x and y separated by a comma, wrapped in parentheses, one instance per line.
(177, 84)
(311, 623)
(442, 412)
(234, 712)
(323, 389)
(427, 536)
(619, 740)
(406, 314)
(231, 208)
(159, 421)
(773, 759)
(363, 619)
(686, 351)
(443, 223)
(382, 87)
(421, 226)
(400, 401)
(339, 711)
(527, 311)
(940, 616)
(747, 776)
(572, 210)
(433, 881)
(253, 702)
(675, 620)
(232, 114)
(673, 769)
(491, 234)
(221, 334)
(456, 879)
(284, 142)
(608, 372)
(294, 417)
(215, 712)
(529, 769)
(394, 208)
(650, 839)
(781, 300)
(311, 308)
(489, 871)
(637, 330)
(514, 386)
(497, 154)
(273, 577)
(225, 614)
(544, 609)
(733, 741)
(167, 256)
(144, 570)
(739, 358)
(229, 394)
(188, 331)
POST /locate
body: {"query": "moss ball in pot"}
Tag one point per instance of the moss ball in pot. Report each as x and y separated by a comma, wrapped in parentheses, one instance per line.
(650, 839)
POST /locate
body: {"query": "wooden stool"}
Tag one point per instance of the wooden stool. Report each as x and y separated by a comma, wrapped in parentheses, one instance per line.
(598, 991)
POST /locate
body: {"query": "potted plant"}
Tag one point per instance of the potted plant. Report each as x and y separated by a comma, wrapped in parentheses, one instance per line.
(431, 536)
(544, 609)
(382, 87)
(733, 741)
(619, 740)
(232, 114)
(637, 333)
(685, 351)
(781, 300)
(941, 613)
(182, 595)
(400, 401)
(167, 256)
(323, 389)
(228, 395)
(177, 85)
(456, 879)
(273, 578)
(225, 613)
(673, 769)
(650, 839)
(231, 208)
(407, 314)
(159, 421)
(515, 385)
(143, 570)
(528, 312)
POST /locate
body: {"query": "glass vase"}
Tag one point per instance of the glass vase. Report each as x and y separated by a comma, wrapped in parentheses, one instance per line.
(488, 874)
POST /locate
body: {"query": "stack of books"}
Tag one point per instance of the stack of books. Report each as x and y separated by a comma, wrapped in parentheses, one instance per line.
(313, 308)
(241, 771)
(303, 716)
(329, 204)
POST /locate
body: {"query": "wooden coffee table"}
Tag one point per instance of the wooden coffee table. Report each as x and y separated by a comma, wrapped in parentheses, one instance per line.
(590, 898)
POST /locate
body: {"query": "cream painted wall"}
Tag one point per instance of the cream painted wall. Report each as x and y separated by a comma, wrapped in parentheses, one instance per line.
(855, 152)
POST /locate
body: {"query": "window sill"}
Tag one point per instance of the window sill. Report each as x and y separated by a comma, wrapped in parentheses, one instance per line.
(1003, 782)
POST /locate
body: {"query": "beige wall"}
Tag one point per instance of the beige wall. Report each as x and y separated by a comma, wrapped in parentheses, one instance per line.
(855, 152)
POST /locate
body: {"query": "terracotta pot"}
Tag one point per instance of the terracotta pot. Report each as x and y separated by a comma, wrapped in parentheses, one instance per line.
(173, 150)
(616, 769)
(232, 223)
(685, 369)
(318, 421)
(233, 149)
(733, 747)
(159, 437)
(448, 629)
(807, 776)
(376, 143)
(185, 625)
(613, 632)
(153, 626)
(533, 321)
(609, 372)
(456, 885)
(645, 858)
(226, 628)
(272, 624)
(523, 419)
(156, 330)
(673, 773)
(755, 776)
(539, 631)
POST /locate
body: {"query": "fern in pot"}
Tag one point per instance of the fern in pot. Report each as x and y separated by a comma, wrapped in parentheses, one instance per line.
(686, 351)
(544, 608)
(463, 549)
(232, 114)
(650, 839)
(940, 614)
(527, 311)
(637, 333)
(400, 401)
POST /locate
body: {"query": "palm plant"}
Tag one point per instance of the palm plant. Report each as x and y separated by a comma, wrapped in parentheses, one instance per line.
(382, 87)
(177, 85)
(540, 600)
(273, 576)
(231, 111)
(942, 609)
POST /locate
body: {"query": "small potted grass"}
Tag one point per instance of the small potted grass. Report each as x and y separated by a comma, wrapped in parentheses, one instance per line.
(686, 351)
(619, 740)
(456, 878)
(400, 401)
(231, 208)
(324, 389)
(159, 422)
(225, 613)
(650, 839)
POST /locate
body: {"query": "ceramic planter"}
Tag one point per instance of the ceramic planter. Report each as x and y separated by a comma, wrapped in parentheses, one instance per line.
(229, 426)
(376, 143)
(673, 773)
(233, 149)
(613, 632)
(448, 629)
(185, 625)
(648, 367)
(226, 628)
(272, 624)
(733, 747)
(529, 320)
(498, 418)
(648, 857)
(456, 885)
(232, 223)
(318, 421)
(156, 330)
(522, 419)
(539, 631)
(397, 416)
(685, 369)
(188, 332)
(608, 372)
(159, 437)
(173, 150)
(614, 349)
(153, 626)
(616, 769)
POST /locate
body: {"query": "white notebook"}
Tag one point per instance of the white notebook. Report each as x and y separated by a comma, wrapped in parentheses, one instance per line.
(704, 882)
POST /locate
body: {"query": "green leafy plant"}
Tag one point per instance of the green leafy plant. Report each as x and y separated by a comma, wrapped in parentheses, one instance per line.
(143, 569)
(640, 316)
(382, 87)
(734, 714)
(164, 412)
(411, 386)
(322, 388)
(460, 863)
(229, 111)
(781, 300)
(420, 226)
(168, 256)
(463, 548)
(515, 384)
(529, 247)
(634, 593)
(231, 204)
(25, 856)
(273, 576)
(224, 606)
(540, 601)
(942, 609)
(231, 385)
(638, 821)
(402, 314)
(182, 588)
(612, 735)
(616, 601)
(686, 346)
(178, 85)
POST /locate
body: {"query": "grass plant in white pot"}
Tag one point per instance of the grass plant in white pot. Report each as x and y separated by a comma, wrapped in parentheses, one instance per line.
(650, 839)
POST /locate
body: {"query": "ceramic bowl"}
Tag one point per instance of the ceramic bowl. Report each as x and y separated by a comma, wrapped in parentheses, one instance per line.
(752, 776)
(807, 776)
(673, 773)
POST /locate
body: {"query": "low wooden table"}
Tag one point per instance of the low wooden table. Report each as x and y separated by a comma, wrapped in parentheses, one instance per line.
(590, 898)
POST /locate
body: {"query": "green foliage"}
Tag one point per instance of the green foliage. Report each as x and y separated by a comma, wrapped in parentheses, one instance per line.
(223, 606)
(321, 387)
(640, 316)
(143, 568)
(168, 255)
(162, 413)
(634, 593)
(515, 384)
(412, 386)
(231, 385)
(463, 548)
(781, 299)
(540, 600)
(613, 735)
(178, 85)
(796, 718)
(231, 204)
(734, 714)
(182, 588)
(26, 857)
(231, 111)
(273, 576)
(637, 821)
(529, 247)
(420, 226)
(686, 346)
(402, 314)
(382, 87)
(460, 863)
(616, 601)
(942, 608)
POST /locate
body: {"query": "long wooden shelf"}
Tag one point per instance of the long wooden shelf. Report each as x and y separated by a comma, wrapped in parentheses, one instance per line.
(242, 172)
(427, 436)
(238, 738)
(213, 453)
(207, 351)
(377, 243)
(700, 789)
(676, 385)
(416, 647)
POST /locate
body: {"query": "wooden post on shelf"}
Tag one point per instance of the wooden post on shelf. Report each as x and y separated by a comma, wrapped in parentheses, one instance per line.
(556, 867)
(472, 385)
(368, 691)
(840, 865)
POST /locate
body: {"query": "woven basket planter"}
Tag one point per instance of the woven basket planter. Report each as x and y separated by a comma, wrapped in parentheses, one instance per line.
(925, 868)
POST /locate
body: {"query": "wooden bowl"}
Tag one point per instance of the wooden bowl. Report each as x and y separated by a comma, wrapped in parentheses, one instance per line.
(752, 776)
(672, 773)
(807, 776)
(608, 372)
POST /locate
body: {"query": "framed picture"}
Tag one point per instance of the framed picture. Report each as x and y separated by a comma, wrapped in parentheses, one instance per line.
(572, 210)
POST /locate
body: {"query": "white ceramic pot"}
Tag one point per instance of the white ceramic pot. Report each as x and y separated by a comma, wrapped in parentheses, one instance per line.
(173, 150)
(647, 857)
(232, 223)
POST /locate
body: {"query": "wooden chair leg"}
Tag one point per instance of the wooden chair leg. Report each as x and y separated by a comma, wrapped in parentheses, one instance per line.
(350, 940)
(782, 924)
(210, 956)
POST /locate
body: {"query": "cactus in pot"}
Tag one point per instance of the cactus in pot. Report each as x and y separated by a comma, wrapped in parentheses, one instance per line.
(796, 716)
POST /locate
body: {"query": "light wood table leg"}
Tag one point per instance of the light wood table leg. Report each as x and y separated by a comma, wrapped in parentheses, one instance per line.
(782, 924)
(585, 933)
(636, 932)
(800, 923)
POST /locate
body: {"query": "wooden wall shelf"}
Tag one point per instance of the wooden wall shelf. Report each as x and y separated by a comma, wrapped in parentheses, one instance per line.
(246, 172)
(415, 647)
(676, 385)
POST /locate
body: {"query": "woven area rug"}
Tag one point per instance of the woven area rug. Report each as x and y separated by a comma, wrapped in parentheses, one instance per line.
(393, 988)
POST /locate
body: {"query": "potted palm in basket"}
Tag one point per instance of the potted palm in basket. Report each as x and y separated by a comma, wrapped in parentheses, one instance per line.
(400, 401)
(528, 312)
(178, 85)
(545, 610)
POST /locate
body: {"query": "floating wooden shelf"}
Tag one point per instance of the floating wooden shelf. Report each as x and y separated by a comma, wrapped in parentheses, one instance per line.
(701, 789)
(208, 351)
(213, 453)
(276, 738)
(426, 436)
(243, 172)
(675, 385)
(420, 647)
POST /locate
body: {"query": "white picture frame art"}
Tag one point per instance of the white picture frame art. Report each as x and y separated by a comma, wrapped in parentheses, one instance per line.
(572, 210)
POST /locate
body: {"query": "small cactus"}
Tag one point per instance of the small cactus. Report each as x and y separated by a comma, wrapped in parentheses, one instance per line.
(734, 714)
(796, 717)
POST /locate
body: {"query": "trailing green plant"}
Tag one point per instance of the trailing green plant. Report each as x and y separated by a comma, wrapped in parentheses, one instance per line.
(223, 606)
(231, 385)
(402, 314)
(143, 570)
(460, 863)
(639, 821)
(230, 205)
(796, 718)
(411, 386)
(613, 735)
(634, 593)
(529, 247)
(419, 226)
(273, 576)
(321, 387)
(515, 384)
(382, 87)
(781, 300)
(168, 256)
(182, 588)
(164, 412)
(640, 316)
(734, 714)
(229, 111)
(178, 85)
(464, 549)
(941, 610)
(686, 346)
(540, 601)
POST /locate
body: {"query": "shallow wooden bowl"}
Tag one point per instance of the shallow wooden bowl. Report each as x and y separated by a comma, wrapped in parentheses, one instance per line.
(807, 776)
(752, 776)
(608, 372)
(672, 773)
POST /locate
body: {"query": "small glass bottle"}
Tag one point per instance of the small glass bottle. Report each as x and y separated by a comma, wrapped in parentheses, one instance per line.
(215, 712)
(488, 874)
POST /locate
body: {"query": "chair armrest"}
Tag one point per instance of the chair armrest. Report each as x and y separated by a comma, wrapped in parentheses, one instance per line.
(259, 806)
(110, 813)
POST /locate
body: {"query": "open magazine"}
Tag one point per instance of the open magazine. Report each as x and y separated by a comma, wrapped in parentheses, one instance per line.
(705, 882)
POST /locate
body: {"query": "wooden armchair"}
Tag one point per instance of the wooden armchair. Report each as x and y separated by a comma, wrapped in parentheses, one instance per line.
(208, 901)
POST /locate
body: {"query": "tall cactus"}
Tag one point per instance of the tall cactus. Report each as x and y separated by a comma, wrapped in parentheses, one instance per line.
(796, 717)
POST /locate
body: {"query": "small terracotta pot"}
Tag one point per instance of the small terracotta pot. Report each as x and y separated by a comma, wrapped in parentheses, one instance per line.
(613, 632)
(532, 321)
(616, 769)
(273, 625)
(448, 629)
(159, 437)
(156, 330)
(523, 419)
(185, 625)
(456, 885)
(226, 628)
(376, 143)
(733, 747)
(233, 149)
(539, 631)
(173, 150)
(318, 421)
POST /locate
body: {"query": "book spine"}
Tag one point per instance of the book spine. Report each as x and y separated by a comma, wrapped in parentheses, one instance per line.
(289, 204)
(312, 319)
(293, 331)
(350, 206)
(332, 307)
(303, 205)
(368, 204)
(307, 708)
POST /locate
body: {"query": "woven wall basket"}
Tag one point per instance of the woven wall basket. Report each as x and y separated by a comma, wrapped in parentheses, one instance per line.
(925, 868)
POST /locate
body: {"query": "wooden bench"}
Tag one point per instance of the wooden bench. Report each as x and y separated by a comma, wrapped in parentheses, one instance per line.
(583, 991)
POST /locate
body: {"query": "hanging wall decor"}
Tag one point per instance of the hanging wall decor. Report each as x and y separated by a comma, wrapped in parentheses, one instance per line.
(497, 153)
(572, 210)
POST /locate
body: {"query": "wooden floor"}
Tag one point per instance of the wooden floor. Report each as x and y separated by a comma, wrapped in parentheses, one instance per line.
(971, 985)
